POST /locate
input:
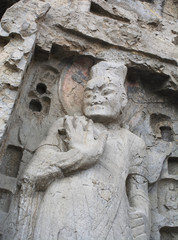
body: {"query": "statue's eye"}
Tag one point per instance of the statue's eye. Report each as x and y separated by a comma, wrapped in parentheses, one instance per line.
(106, 92)
(87, 95)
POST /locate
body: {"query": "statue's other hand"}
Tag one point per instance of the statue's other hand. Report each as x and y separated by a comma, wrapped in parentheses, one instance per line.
(43, 168)
(139, 225)
(80, 136)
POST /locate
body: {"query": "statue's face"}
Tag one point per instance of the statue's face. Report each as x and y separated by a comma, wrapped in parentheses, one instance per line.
(103, 99)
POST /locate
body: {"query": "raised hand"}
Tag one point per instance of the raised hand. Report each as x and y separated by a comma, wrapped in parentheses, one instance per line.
(80, 136)
(49, 162)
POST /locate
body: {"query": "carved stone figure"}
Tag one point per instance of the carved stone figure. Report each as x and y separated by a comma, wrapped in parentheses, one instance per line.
(93, 172)
(171, 202)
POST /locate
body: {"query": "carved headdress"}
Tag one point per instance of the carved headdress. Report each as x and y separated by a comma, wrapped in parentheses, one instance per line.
(110, 70)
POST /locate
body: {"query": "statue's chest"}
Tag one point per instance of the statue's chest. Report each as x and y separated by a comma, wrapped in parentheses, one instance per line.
(116, 156)
(103, 183)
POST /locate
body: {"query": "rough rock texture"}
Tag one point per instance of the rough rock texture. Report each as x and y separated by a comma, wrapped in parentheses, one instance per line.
(20, 31)
(49, 50)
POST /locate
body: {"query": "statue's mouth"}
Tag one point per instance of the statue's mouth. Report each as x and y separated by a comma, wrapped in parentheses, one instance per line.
(96, 104)
(97, 107)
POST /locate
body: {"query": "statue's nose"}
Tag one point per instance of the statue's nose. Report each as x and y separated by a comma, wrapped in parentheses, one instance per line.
(96, 102)
(96, 99)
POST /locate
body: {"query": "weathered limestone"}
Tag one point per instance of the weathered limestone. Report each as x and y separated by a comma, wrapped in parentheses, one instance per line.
(20, 29)
(104, 164)
(66, 160)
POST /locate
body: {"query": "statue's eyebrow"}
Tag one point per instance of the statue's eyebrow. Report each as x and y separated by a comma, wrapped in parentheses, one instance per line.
(108, 85)
(102, 86)
(88, 88)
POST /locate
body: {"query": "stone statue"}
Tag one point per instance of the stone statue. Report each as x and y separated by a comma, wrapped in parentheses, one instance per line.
(92, 172)
(171, 202)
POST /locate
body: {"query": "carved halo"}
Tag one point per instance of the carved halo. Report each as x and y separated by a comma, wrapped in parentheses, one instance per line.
(71, 85)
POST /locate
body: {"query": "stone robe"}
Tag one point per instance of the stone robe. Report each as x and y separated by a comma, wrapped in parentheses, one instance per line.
(92, 204)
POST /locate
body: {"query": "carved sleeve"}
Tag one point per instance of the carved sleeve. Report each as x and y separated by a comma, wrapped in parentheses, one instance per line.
(50, 160)
(138, 163)
(137, 190)
(49, 163)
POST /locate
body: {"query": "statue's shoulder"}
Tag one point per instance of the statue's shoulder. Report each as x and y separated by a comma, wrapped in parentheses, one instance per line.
(58, 123)
(137, 154)
(132, 139)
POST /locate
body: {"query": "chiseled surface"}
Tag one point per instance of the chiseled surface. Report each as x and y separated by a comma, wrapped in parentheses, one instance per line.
(90, 200)
(80, 158)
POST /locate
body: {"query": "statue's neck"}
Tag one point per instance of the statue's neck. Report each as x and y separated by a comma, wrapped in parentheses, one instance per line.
(112, 126)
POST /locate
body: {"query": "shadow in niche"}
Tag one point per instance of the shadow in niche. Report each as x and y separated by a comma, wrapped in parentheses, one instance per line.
(98, 10)
(35, 105)
(63, 53)
(46, 104)
(5, 4)
(3, 42)
(1, 237)
(153, 82)
(40, 54)
(149, 1)
(173, 165)
(11, 161)
(167, 133)
(157, 118)
(169, 233)
(41, 88)
(5, 200)
(162, 127)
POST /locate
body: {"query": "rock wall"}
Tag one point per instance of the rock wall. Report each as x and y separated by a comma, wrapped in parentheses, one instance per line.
(47, 50)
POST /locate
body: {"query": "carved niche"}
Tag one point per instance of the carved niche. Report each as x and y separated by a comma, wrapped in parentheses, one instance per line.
(55, 88)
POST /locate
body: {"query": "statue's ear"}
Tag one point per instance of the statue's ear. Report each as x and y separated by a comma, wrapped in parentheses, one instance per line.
(124, 100)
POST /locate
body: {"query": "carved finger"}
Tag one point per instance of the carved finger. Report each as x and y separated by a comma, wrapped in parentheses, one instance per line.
(138, 231)
(101, 142)
(136, 222)
(90, 130)
(78, 124)
(141, 237)
(135, 215)
(84, 122)
(69, 126)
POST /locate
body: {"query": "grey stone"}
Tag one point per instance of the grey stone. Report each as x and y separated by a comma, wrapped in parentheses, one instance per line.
(74, 158)
(93, 155)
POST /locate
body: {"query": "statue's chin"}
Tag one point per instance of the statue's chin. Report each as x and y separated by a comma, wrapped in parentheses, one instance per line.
(100, 117)
(101, 113)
